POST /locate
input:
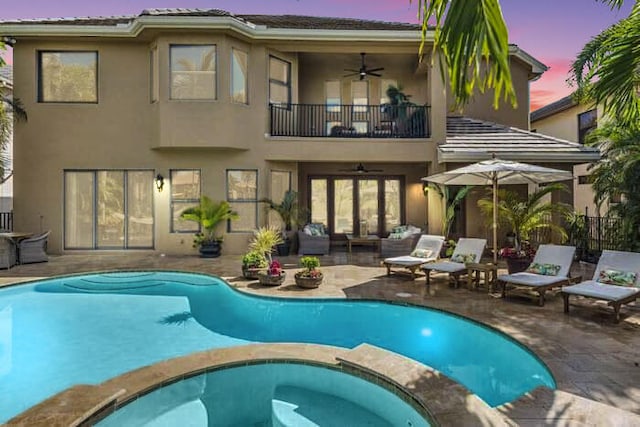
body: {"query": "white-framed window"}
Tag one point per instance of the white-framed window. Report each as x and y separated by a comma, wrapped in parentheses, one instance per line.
(360, 96)
(332, 92)
(193, 72)
(68, 76)
(242, 195)
(185, 193)
(239, 76)
(279, 81)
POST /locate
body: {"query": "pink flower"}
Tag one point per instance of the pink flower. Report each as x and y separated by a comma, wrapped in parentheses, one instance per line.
(275, 269)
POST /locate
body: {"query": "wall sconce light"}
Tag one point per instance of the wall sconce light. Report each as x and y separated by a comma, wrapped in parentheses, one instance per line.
(159, 182)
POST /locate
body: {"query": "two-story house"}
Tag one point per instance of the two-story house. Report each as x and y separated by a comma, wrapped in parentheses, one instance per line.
(132, 118)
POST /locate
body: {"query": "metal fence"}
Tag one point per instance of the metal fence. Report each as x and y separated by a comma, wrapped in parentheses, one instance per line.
(6, 221)
(595, 234)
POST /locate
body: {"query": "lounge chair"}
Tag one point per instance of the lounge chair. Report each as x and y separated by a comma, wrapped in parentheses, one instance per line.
(549, 269)
(615, 295)
(426, 250)
(33, 249)
(467, 251)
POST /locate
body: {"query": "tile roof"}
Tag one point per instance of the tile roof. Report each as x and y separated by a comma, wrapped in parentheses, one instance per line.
(270, 21)
(555, 107)
(470, 140)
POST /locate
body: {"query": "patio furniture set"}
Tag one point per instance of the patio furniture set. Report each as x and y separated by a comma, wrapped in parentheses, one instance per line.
(616, 280)
(22, 248)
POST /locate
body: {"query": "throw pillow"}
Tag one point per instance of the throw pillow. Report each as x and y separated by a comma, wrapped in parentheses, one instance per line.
(395, 236)
(617, 277)
(421, 253)
(464, 258)
(307, 230)
(544, 269)
(399, 229)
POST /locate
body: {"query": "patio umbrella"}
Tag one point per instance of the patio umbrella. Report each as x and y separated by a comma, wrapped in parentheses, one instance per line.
(494, 171)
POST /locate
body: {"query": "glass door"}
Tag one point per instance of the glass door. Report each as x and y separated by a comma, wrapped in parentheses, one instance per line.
(343, 206)
(368, 206)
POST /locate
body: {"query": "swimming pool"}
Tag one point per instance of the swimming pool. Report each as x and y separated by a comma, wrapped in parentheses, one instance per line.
(86, 329)
(272, 394)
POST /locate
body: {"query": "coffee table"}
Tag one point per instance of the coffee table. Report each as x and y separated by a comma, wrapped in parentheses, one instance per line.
(370, 239)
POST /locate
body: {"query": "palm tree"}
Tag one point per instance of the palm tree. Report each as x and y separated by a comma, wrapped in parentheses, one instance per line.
(525, 216)
(472, 34)
(618, 174)
(9, 109)
(449, 204)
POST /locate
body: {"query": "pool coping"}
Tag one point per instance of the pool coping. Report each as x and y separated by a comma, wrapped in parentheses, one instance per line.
(437, 398)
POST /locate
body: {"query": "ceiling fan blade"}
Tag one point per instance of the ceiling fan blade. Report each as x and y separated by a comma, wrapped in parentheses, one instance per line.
(374, 170)
(374, 74)
(351, 75)
(373, 70)
(351, 70)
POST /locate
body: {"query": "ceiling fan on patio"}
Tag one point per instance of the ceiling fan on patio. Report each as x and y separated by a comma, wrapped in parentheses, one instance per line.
(364, 71)
(360, 169)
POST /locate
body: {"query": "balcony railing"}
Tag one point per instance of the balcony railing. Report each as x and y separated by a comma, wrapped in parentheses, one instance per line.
(350, 121)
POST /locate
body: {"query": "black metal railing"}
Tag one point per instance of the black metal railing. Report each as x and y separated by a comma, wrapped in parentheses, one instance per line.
(6, 221)
(350, 121)
(593, 234)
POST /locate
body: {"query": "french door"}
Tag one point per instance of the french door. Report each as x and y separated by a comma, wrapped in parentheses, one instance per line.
(345, 203)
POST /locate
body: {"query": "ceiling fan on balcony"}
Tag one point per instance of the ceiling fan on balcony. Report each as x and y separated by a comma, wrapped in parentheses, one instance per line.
(364, 71)
(360, 169)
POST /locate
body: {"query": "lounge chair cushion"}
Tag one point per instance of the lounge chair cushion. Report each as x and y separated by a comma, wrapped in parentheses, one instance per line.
(591, 288)
(530, 279)
(611, 276)
(408, 260)
(422, 253)
(446, 266)
(545, 269)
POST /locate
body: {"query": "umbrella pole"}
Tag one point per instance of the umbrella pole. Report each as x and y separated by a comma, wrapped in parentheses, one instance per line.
(495, 219)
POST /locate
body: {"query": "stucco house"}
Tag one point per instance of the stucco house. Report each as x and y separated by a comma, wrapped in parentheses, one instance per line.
(572, 121)
(6, 188)
(241, 107)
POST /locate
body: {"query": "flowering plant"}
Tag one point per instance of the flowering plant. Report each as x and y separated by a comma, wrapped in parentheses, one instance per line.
(525, 251)
(275, 269)
(311, 264)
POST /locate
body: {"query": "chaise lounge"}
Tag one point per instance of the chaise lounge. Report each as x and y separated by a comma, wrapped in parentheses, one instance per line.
(427, 250)
(616, 281)
(468, 250)
(549, 268)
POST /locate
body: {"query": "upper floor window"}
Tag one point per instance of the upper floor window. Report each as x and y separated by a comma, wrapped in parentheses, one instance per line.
(193, 72)
(239, 63)
(332, 96)
(279, 81)
(587, 121)
(68, 77)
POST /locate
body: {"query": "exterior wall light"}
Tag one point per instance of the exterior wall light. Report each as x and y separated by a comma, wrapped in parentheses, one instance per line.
(159, 183)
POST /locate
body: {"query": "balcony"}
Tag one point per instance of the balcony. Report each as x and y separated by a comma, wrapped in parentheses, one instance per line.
(349, 121)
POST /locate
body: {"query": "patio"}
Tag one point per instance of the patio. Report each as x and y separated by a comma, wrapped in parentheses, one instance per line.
(595, 362)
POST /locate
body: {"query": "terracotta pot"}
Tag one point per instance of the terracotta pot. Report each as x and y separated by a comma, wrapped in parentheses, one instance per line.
(308, 282)
(516, 265)
(268, 280)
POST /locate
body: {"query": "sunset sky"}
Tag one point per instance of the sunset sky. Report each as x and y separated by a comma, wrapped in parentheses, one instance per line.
(553, 31)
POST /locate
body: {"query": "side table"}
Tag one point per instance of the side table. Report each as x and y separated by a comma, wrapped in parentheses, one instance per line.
(489, 271)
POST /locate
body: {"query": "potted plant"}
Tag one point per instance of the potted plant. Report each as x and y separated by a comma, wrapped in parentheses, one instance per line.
(290, 214)
(209, 214)
(517, 259)
(311, 276)
(252, 263)
(264, 241)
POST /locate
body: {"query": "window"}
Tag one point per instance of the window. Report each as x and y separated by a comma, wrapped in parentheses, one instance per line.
(239, 85)
(68, 77)
(585, 179)
(384, 85)
(185, 193)
(360, 96)
(319, 198)
(242, 194)
(193, 72)
(280, 184)
(108, 209)
(153, 74)
(332, 96)
(587, 121)
(279, 81)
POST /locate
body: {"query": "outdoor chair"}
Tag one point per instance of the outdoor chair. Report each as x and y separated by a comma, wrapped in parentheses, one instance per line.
(468, 250)
(33, 249)
(313, 240)
(399, 244)
(616, 281)
(549, 269)
(426, 250)
(7, 253)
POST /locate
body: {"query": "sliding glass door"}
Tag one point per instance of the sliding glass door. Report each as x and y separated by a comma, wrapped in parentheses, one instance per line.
(108, 209)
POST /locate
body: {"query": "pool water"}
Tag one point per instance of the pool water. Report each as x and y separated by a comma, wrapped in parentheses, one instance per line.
(87, 329)
(273, 394)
